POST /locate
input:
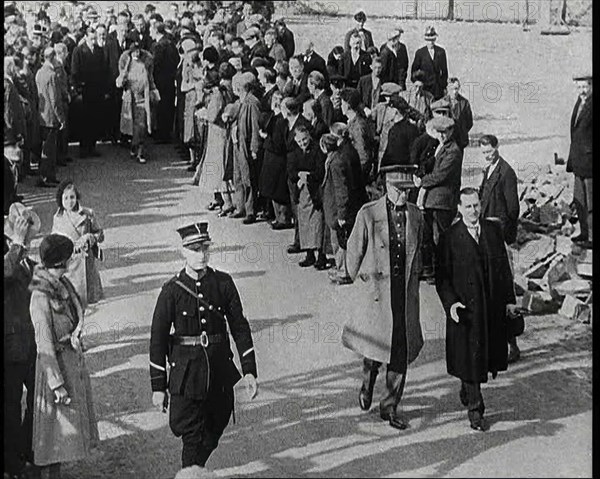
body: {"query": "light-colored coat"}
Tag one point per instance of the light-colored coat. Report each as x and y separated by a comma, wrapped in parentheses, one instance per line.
(369, 331)
(82, 272)
(61, 433)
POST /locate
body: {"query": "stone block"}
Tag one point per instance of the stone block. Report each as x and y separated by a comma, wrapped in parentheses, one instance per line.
(573, 287)
(537, 285)
(564, 245)
(570, 306)
(540, 268)
(539, 302)
(585, 270)
(557, 271)
(520, 284)
(537, 250)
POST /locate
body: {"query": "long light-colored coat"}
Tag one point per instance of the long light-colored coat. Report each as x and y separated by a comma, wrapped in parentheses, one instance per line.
(83, 271)
(369, 331)
(60, 432)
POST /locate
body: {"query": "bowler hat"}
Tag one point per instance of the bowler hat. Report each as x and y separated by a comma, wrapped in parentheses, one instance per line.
(55, 250)
(194, 234)
(17, 210)
(430, 33)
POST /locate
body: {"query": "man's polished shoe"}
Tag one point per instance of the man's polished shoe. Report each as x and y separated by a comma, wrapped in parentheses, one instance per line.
(277, 226)
(250, 219)
(322, 264)
(478, 423)
(294, 249)
(365, 398)
(397, 421)
(308, 261)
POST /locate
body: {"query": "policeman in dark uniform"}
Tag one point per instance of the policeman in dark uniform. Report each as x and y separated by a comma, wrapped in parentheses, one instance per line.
(189, 328)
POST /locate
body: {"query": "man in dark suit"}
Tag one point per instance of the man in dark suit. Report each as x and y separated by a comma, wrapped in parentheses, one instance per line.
(166, 59)
(431, 59)
(297, 88)
(343, 195)
(316, 86)
(140, 29)
(394, 57)
(291, 110)
(369, 86)
(356, 62)
(366, 38)
(500, 202)
(580, 158)
(475, 285)
(315, 62)
(460, 111)
(286, 37)
(199, 304)
(256, 47)
(441, 186)
(401, 136)
(89, 74)
(115, 46)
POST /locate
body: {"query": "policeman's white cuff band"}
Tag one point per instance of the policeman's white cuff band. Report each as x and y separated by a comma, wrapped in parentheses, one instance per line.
(247, 352)
(156, 366)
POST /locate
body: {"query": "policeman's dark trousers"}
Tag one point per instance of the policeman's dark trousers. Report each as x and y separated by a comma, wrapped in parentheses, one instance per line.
(90, 132)
(17, 432)
(470, 393)
(200, 424)
(47, 168)
(294, 207)
(436, 222)
(394, 383)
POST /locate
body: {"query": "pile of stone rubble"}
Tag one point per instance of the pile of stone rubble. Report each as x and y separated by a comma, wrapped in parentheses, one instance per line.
(552, 274)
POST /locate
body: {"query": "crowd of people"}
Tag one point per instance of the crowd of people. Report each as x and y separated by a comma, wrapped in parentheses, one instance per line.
(271, 132)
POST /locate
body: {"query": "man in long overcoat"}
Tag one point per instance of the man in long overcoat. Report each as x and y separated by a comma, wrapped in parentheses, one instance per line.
(475, 285)
(431, 59)
(245, 176)
(89, 73)
(500, 201)
(580, 158)
(384, 254)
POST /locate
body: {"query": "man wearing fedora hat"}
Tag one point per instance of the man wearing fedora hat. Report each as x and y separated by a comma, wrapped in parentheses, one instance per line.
(189, 329)
(20, 226)
(383, 256)
(431, 59)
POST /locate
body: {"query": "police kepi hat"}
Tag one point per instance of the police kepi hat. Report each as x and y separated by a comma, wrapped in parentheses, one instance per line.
(400, 174)
(194, 234)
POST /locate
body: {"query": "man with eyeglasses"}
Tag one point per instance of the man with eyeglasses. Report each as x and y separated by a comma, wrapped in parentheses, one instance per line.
(383, 257)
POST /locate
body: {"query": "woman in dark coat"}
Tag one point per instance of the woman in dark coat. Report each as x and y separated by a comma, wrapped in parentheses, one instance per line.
(273, 175)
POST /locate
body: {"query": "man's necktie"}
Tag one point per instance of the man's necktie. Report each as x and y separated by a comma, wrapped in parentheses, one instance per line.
(475, 233)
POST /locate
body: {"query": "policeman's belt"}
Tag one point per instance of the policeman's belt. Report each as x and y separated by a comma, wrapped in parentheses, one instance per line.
(203, 302)
(201, 340)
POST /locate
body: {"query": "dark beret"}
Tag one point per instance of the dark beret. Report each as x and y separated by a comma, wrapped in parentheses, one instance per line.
(55, 250)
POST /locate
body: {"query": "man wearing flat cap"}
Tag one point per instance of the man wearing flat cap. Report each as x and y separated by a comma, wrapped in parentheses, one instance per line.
(431, 59)
(20, 226)
(189, 330)
(441, 186)
(366, 38)
(383, 257)
(580, 158)
(394, 58)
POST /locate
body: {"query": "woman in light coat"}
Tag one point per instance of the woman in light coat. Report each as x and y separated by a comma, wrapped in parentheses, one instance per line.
(64, 422)
(137, 80)
(80, 226)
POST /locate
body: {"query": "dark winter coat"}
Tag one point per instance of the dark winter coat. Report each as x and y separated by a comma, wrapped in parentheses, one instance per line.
(580, 152)
(436, 70)
(478, 276)
(273, 175)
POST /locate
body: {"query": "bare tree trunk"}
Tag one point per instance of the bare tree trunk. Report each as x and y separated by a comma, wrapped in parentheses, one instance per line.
(416, 9)
(450, 10)
(526, 20)
(563, 13)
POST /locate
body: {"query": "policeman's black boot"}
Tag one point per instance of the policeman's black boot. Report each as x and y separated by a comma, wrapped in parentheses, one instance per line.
(217, 202)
